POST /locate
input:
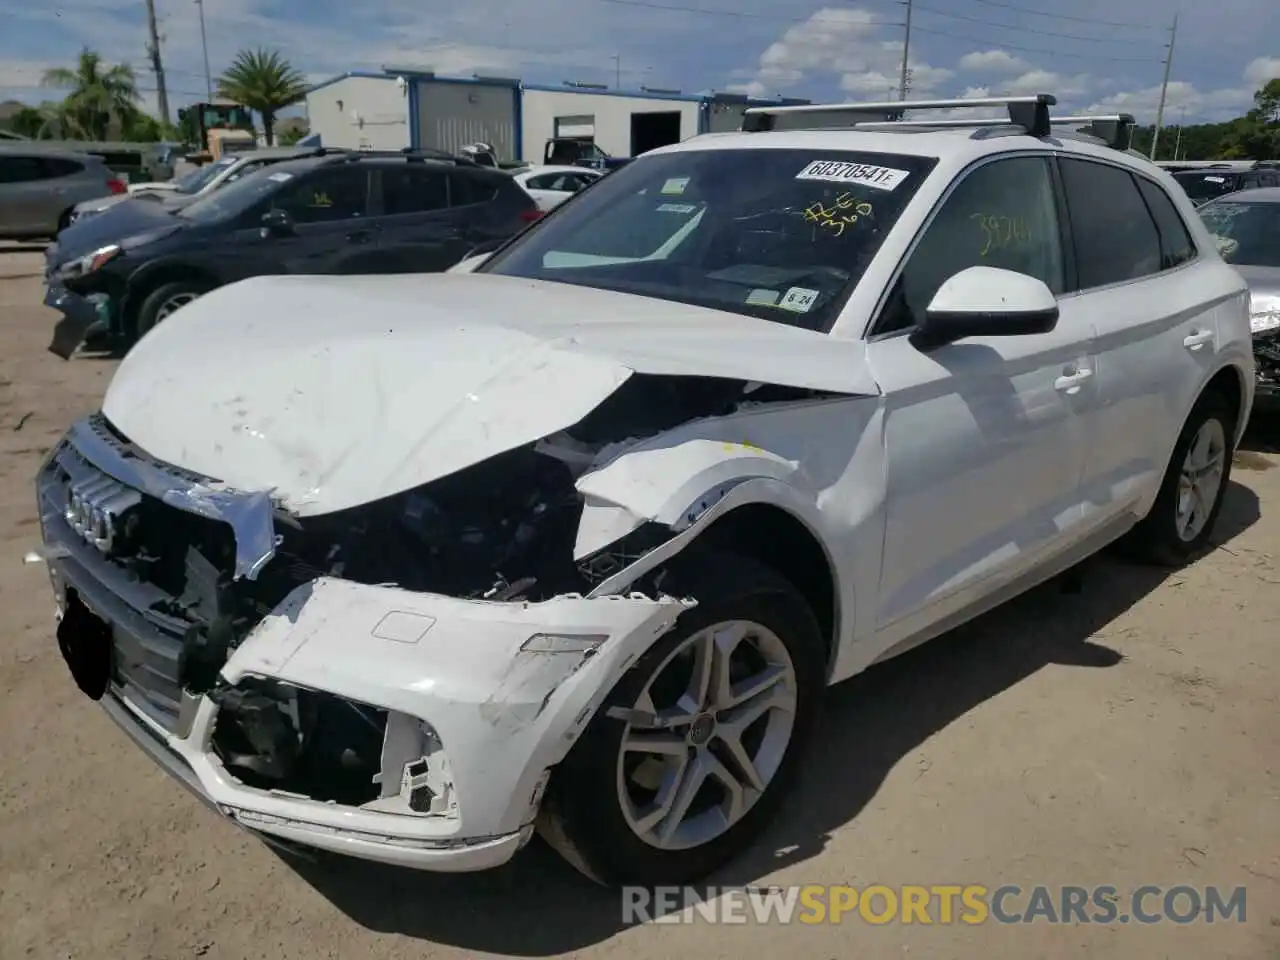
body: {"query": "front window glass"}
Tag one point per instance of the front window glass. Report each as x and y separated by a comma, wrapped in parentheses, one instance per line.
(779, 234)
(1247, 234)
(235, 198)
(197, 179)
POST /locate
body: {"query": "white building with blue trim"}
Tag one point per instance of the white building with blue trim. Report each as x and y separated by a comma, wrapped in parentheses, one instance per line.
(399, 108)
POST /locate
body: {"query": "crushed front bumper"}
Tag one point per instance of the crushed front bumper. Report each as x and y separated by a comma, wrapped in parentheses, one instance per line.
(505, 687)
(1266, 354)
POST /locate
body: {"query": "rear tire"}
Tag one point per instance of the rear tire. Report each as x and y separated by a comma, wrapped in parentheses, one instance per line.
(164, 300)
(1181, 521)
(603, 807)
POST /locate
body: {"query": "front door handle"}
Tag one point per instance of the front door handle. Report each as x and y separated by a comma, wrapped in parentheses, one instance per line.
(1071, 379)
(1197, 339)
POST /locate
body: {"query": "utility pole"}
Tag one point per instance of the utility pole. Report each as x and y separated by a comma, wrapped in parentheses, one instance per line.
(204, 43)
(1182, 122)
(906, 55)
(1164, 88)
(153, 51)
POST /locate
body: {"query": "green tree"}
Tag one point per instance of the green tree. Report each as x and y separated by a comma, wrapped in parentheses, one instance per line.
(99, 94)
(28, 121)
(263, 81)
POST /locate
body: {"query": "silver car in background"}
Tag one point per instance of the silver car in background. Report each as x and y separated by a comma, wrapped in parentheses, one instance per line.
(201, 181)
(39, 188)
(1246, 228)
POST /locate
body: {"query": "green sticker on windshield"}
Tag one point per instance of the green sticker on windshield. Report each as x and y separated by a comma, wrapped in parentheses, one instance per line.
(675, 186)
(763, 298)
(676, 208)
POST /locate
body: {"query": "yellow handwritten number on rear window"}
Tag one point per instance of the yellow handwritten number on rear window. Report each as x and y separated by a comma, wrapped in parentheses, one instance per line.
(321, 199)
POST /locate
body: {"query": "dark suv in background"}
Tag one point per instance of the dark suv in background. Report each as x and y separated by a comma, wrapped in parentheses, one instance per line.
(350, 213)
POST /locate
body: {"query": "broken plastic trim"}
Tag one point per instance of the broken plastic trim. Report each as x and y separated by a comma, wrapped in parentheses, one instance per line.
(251, 516)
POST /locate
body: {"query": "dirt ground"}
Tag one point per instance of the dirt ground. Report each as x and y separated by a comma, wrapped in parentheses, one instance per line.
(1126, 735)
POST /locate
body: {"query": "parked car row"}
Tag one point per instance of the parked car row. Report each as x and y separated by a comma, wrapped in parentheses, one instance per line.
(130, 266)
(40, 188)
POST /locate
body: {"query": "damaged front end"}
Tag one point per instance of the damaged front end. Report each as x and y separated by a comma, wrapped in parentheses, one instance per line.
(1266, 354)
(392, 681)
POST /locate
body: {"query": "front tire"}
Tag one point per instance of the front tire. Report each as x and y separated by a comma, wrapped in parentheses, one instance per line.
(692, 752)
(164, 300)
(1181, 521)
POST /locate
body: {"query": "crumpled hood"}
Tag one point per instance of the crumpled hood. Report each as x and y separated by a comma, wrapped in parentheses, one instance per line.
(337, 391)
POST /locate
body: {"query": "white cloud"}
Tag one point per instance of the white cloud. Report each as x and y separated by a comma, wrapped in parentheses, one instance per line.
(1211, 105)
(845, 43)
(993, 61)
(1262, 70)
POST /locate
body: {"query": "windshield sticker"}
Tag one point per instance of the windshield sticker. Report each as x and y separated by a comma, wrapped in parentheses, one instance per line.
(677, 208)
(842, 213)
(675, 186)
(280, 177)
(999, 232)
(1215, 180)
(861, 174)
(763, 298)
(798, 299)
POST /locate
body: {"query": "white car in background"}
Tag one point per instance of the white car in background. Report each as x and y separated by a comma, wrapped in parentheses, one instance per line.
(551, 186)
(573, 537)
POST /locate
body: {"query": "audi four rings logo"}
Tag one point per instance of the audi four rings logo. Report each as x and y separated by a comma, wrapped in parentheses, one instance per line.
(94, 507)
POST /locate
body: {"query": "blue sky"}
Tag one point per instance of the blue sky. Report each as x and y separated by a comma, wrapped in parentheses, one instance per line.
(1103, 54)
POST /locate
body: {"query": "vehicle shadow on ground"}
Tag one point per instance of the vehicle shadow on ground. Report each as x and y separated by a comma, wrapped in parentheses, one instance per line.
(538, 906)
(23, 246)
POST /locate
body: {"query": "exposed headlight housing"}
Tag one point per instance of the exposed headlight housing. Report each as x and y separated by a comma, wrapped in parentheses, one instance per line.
(90, 262)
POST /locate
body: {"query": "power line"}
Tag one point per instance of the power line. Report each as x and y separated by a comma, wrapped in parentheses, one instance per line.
(1042, 33)
(1063, 16)
(1040, 50)
(774, 18)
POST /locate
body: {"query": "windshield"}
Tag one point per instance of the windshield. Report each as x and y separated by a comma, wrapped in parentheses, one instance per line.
(1247, 234)
(236, 197)
(1204, 186)
(783, 235)
(197, 179)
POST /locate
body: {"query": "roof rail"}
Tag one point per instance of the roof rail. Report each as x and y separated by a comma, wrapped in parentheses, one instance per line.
(411, 154)
(1030, 113)
(1115, 130)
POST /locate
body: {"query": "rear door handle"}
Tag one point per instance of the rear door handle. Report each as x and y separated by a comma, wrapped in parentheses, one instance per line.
(1071, 379)
(1197, 339)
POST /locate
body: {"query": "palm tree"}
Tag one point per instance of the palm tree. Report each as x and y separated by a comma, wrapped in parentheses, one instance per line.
(98, 94)
(264, 81)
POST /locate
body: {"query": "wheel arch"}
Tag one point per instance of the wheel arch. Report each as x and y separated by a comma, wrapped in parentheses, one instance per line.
(152, 276)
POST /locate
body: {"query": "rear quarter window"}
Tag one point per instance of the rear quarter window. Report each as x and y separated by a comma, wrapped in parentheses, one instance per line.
(61, 167)
(1176, 245)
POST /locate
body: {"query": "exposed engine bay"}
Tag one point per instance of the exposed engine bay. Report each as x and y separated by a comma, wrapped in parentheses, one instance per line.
(502, 529)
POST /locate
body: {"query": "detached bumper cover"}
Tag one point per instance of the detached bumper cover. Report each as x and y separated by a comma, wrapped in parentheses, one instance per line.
(81, 316)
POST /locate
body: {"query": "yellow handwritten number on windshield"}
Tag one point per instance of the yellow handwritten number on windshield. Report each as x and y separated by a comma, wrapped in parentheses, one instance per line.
(845, 211)
(999, 232)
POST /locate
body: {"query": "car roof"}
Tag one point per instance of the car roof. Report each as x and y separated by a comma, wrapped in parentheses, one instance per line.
(957, 146)
(1253, 195)
(30, 148)
(305, 163)
(270, 153)
(556, 168)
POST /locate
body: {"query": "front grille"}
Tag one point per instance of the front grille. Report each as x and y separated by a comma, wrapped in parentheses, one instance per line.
(139, 580)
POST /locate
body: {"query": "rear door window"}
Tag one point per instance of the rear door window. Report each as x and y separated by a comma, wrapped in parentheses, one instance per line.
(1115, 236)
(55, 167)
(466, 190)
(413, 189)
(20, 169)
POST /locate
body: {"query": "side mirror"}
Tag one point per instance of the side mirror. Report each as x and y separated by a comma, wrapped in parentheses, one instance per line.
(987, 302)
(277, 222)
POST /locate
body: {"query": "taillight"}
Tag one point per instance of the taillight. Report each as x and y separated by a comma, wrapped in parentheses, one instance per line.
(529, 216)
(116, 185)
